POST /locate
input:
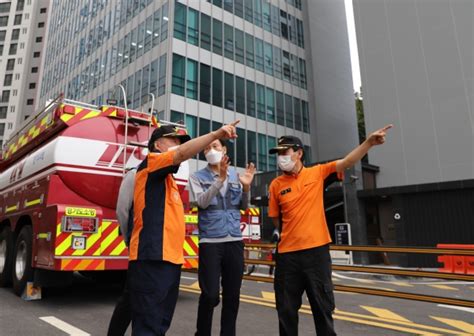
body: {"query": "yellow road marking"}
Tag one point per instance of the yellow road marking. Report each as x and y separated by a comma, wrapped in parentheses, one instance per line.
(401, 284)
(268, 295)
(461, 325)
(364, 281)
(385, 313)
(444, 287)
(350, 317)
(195, 285)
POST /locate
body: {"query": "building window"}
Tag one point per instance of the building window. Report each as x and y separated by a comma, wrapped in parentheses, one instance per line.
(275, 20)
(241, 138)
(19, 60)
(3, 34)
(250, 98)
(305, 112)
(41, 25)
(239, 8)
(27, 16)
(277, 66)
(2, 130)
(259, 54)
(191, 79)
(162, 76)
(5, 96)
(29, 101)
(205, 31)
(43, 10)
(22, 45)
(148, 33)
(249, 50)
(154, 77)
(289, 111)
(229, 91)
(10, 64)
(17, 20)
(36, 54)
(7, 81)
(262, 152)
(156, 27)
(205, 84)
(3, 21)
(272, 164)
(180, 21)
(5, 7)
(228, 41)
(24, 30)
(297, 111)
(270, 96)
(1, 49)
(17, 76)
(216, 87)
(10, 125)
(193, 27)
(34, 69)
(20, 5)
(280, 108)
(13, 49)
(268, 54)
(257, 13)
(267, 22)
(240, 95)
(252, 147)
(15, 93)
(239, 46)
(15, 34)
(249, 11)
(216, 36)
(178, 76)
(39, 39)
(261, 102)
(12, 109)
(3, 112)
(32, 86)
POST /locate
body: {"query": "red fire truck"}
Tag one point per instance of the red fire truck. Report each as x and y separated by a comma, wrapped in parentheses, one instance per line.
(59, 179)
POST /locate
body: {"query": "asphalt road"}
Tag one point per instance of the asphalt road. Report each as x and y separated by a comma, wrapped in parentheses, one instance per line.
(85, 309)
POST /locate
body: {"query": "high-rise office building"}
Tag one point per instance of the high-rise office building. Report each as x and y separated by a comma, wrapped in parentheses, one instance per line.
(22, 30)
(208, 63)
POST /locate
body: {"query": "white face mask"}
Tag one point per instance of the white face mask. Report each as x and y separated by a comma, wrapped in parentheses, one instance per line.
(286, 163)
(213, 157)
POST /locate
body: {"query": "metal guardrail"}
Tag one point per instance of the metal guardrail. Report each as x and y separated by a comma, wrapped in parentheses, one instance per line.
(388, 249)
(383, 270)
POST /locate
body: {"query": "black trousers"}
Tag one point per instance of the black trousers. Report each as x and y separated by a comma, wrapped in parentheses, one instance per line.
(219, 262)
(122, 315)
(296, 272)
(154, 288)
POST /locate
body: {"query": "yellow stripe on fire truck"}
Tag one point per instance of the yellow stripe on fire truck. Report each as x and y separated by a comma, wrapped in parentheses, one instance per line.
(111, 243)
(191, 244)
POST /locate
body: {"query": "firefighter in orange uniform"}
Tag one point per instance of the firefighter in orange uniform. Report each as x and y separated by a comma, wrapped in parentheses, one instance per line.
(156, 244)
(296, 206)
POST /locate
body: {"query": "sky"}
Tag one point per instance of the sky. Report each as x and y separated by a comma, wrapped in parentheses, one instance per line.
(353, 45)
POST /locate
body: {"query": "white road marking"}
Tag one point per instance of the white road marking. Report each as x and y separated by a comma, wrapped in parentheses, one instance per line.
(469, 310)
(63, 326)
(188, 278)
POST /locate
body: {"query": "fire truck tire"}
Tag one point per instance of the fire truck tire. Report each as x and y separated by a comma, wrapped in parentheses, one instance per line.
(6, 256)
(22, 270)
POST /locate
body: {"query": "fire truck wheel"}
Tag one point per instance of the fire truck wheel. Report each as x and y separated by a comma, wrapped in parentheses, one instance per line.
(22, 270)
(6, 256)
